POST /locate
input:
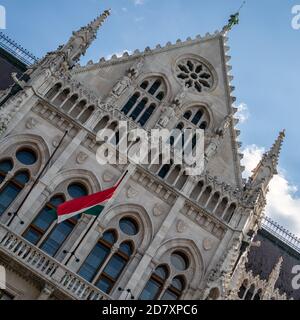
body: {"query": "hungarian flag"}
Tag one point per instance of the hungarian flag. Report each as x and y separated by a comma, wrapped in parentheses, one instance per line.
(91, 205)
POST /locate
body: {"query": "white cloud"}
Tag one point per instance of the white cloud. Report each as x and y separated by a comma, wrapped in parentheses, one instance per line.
(243, 113)
(124, 9)
(118, 54)
(139, 2)
(139, 19)
(283, 205)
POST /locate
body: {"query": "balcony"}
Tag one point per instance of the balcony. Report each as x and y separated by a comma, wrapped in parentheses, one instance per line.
(47, 268)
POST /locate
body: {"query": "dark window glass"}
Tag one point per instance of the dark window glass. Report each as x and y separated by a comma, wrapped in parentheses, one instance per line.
(10, 192)
(94, 261)
(109, 237)
(162, 272)
(6, 166)
(43, 221)
(26, 157)
(169, 295)
(76, 190)
(155, 87)
(57, 236)
(160, 96)
(115, 266)
(129, 226)
(197, 117)
(164, 171)
(131, 102)
(138, 110)
(179, 261)
(144, 85)
(147, 114)
(105, 285)
(151, 291)
(126, 248)
(187, 115)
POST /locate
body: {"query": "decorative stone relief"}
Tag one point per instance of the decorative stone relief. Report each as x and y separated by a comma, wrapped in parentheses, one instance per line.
(81, 157)
(131, 192)
(107, 176)
(181, 226)
(31, 123)
(55, 141)
(207, 244)
(158, 210)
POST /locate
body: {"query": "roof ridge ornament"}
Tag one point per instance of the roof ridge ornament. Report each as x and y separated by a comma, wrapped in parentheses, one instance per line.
(234, 19)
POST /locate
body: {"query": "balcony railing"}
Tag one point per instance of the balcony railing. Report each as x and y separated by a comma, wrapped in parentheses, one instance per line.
(16, 50)
(281, 233)
(47, 267)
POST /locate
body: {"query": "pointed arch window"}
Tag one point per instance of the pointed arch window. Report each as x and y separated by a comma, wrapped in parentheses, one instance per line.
(115, 267)
(141, 106)
(98, 256)
(155, 284)
(12, 189)
(131, 102)
(175, 290)
(44, 232)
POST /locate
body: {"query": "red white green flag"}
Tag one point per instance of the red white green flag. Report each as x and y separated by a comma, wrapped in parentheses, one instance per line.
(91, 205)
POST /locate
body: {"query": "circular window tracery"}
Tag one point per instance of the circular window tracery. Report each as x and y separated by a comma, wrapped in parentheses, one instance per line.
(26, 157)
(179, 261)
(195, 74)
(129, 226)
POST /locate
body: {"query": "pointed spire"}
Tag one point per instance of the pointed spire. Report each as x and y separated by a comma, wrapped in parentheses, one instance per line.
(82, 39)
(275, 273)
(274, 153)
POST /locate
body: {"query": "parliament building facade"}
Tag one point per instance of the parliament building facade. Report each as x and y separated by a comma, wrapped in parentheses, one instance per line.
(165, 235)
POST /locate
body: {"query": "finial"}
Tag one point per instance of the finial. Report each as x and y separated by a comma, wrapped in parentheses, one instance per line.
(276, 148)
(234, 19)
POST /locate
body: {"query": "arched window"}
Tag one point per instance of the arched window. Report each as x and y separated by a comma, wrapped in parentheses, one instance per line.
(144, 101)
(43, 221)
(230, 212)
(198, 116)
(5, 167)
(115, 267)
(155, 284)
(131, 102)
(164, 171)
(139, 109)
(98, 256)
(12, 189)
(197, 190)
(84, 117)
(175, 290)
(53, 91)
(147, 114)
(250, 293)
(52, 238)
(258, 295)
(70, 104)
(156, 287)
(102, 124)
(129, 226)
(243, 289)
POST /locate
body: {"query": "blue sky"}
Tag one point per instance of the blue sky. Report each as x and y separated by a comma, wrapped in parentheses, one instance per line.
(264, 48)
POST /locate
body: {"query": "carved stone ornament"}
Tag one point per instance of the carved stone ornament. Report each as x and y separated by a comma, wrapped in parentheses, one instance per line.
(181, 226)
(55, 141)
(81, 157)
(31, 123)
(158, 210)
(207, 244)
(131, 192)
(107, 176)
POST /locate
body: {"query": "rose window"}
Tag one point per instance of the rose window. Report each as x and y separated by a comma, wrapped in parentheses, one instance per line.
(195, 74)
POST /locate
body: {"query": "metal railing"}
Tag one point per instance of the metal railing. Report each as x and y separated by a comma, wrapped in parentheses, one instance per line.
(16, 50)
(281, 233)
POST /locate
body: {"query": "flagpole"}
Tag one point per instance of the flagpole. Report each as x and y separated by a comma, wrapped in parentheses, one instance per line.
(92, 225)
(15, 214)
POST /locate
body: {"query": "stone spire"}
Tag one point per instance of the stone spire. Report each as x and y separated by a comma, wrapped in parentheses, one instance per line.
(274, 276)
(267, 167)
(82, 39)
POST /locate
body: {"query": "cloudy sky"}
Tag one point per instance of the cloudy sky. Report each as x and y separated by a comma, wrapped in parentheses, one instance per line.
(265, 59)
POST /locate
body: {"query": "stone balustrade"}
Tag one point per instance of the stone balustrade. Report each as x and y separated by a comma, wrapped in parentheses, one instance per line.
(47, 267)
